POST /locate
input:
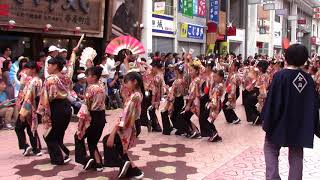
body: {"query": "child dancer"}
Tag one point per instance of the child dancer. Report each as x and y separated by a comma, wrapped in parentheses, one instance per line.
(175, 103)
(28, 118)
(232, 94)
(193, 101)
(91, 121)
(123, 135)
(55, 108)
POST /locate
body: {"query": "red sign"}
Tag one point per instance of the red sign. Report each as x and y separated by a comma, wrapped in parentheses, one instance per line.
(316, 16)
(232, 31)
(316, 10)
(302, 21)
(202, 8)
(4, 9)
(212, 27)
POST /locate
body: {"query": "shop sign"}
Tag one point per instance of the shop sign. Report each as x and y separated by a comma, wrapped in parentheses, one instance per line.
(202, 8)
(62, 15)
(281, 12)
(162, 24)
(214, 11)
(302, 21)
(187, 8)
(184, 30)
(159, 7)
(195, 31)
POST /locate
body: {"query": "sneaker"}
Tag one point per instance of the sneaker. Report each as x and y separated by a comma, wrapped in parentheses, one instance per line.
(39, 154)
(157, 129)
(237, 121)
(27, 151)
(99, 167)
(9, 127)
(66, 159)
(197, 136)
(257, 121)
(135, 173)
(213, 137)
(88, 164)
(193, 135)
(123, 169)
(217, 139)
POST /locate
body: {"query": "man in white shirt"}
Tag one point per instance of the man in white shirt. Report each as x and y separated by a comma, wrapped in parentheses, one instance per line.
(111, 66)
(52, 53)
(5, 56)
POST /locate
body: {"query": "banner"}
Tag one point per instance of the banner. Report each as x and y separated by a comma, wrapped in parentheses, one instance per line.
(159, 7)
(202, 8)
(187, 8)
(195, 32)
(195, 7)
(184, 30)
(214, 11)
(162, 24)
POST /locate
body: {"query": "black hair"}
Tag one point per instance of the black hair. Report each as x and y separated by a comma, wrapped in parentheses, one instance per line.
(156, 64)
(210, 63)
(23, 60)
(32, 65)
(94, 71)
(5, 66)
(296, 55)
(131, 76)
(143, 59)
(236, 64)
(59, 61)
(4, 50)
(263, 65)
(220, 73)
(157, 53)
(180, 68)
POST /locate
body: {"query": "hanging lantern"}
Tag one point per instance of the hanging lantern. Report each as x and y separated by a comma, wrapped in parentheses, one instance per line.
(77, 30)
(47, 28)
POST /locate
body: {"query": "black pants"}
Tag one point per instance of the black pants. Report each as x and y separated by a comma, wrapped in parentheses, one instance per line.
(113, 157)
(60, 117)
(250, 106)
(185, 125)
(177, 109)
(144, 110)
(244, 97)
(34, 138)
(207, 129)
(229, 113)
(93, 135)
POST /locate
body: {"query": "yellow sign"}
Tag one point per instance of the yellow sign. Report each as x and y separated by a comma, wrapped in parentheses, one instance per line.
(184, 30)
(224, 48)
(210, 49)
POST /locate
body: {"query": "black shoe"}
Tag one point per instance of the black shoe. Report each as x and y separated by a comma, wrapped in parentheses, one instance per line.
(157, 129)
(99, 167)
(149, 126)
(257, 121)
(217, 139)
(197, 136)
(66, 159)
(27, 151)
(168, 132)
(135, 173)
(237, 121)
(123, 169)
(178, 133)
(89, 164)
(213, 137)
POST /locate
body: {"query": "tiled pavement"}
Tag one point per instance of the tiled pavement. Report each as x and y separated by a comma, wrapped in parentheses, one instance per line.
(238, 157)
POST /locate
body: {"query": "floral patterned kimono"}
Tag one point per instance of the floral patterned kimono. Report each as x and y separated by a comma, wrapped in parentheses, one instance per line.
(215, 96)
(194, 95)
(232, 84)
(157, 90)
(24, 81)
(262, 84)
(317, 81)
(94, 101)
(29, 105)
(177, 90)
(56, 86)
(131, 112)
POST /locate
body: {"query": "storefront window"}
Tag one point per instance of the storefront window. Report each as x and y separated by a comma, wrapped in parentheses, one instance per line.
(20, 46)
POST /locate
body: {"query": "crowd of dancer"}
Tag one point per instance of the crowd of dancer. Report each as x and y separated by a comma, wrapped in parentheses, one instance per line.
(200, 86)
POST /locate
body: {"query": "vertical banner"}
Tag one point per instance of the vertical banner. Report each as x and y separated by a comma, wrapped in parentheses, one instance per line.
(214, 11)
(180, 6)
(202, 8)
(195, 7)
(224, 48)
(187, 8)
(184, 30)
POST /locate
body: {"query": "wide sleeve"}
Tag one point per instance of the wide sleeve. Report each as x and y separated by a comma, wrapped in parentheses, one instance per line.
(273, 106)
(44, 105)
(70, 65)
(84, 113)
(130, 113)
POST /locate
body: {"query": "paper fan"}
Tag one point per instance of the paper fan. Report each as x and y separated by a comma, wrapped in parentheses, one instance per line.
(124, 42)
(87, 54)
(13, 76)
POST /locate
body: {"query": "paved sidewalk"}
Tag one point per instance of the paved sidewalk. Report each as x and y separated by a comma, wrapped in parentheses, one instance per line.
(238, 157)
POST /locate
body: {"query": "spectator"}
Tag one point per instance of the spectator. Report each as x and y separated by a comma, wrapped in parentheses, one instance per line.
(6, 109)
(80, 86)
(6, 53)
(63, 53)
(169, 76)
(5, 75)
(40, 63)
(290, 115)
(114, 91)
(53, 51)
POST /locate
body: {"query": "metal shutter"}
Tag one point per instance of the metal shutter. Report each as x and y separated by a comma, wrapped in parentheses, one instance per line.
(162, 44)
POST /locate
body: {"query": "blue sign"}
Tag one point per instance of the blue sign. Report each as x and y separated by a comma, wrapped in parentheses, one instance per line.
(214, 11)
(180, 6)
(195, 32)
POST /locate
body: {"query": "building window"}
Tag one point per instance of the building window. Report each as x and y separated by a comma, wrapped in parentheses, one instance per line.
(263, 48)
(277, 18)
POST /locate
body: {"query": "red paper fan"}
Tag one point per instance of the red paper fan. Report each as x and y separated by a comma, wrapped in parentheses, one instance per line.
(125, 42)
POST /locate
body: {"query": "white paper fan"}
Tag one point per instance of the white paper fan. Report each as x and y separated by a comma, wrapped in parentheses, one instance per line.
(87, 54)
